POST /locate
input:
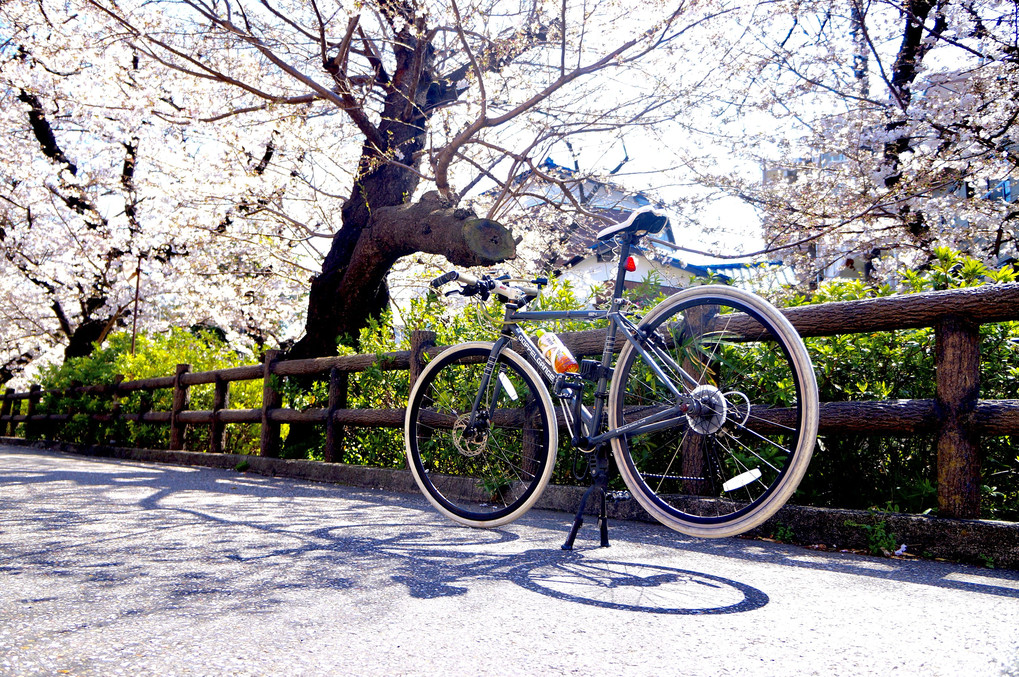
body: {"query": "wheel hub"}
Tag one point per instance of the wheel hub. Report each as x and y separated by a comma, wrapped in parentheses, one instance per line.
(708, 414)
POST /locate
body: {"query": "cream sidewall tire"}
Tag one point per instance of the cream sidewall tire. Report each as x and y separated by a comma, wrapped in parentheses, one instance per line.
(546, 400)
(805, 445)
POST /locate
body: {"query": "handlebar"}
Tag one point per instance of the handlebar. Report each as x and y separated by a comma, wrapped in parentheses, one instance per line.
(482, 287)
(467, 280)
(444, 278)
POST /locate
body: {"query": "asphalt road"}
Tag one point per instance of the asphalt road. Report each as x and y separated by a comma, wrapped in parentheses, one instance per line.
(122, 568)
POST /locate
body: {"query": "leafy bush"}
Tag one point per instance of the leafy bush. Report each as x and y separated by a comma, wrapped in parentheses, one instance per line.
(848, 470)
(880, 541)
(154, 356)
(861, 471)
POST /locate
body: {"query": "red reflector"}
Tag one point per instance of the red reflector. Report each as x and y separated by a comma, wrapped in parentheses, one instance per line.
(631, 265)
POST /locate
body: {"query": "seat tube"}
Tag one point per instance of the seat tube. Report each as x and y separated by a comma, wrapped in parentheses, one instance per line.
(601, 393)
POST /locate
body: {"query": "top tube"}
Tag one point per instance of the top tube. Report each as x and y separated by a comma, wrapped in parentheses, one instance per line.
(536, 315)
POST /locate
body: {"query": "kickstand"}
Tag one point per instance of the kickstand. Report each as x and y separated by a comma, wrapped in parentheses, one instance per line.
(600, 486)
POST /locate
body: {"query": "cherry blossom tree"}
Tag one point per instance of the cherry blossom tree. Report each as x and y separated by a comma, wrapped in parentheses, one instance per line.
(225, 152)
(105, 207)
(878, 126)
(436, 95)
(242, 140)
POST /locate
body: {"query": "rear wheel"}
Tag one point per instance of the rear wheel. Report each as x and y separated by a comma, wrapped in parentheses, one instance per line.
(740, 450)
(491, 472)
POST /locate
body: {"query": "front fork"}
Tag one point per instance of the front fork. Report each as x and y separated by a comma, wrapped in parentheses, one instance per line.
(481, 416)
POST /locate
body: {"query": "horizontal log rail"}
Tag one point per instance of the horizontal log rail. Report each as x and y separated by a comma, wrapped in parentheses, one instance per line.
(886, 417)
(957, 417)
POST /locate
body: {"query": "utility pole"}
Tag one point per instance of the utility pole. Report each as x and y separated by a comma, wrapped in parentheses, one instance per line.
(137, 291)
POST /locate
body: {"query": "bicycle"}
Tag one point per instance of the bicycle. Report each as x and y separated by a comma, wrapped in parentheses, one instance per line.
(710, 409)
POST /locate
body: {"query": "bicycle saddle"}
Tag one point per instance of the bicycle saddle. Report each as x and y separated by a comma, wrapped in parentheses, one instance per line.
(644, 221)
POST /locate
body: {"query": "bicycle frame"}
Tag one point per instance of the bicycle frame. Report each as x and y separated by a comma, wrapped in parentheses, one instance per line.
(586, 424)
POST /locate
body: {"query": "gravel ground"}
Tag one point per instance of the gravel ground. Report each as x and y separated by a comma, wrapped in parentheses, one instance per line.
(113, 567)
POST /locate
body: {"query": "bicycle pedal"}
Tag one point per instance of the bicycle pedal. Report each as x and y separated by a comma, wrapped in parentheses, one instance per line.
(616, 496)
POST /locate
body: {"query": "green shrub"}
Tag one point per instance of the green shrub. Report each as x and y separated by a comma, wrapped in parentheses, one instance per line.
(154, 356)
(880, 541)
(848, 470)
(376, 388)
(857, 471)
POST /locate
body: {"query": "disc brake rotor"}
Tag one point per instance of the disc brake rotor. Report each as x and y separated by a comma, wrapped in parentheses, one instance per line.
(468, 443)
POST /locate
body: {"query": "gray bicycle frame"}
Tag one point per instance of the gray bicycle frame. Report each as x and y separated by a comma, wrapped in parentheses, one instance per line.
(617, 323)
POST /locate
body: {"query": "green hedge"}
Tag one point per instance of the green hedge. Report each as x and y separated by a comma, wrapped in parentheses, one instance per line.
(154, 356)
(900, 474)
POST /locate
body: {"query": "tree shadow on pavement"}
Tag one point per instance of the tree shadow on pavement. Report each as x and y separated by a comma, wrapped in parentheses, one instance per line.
(190, 535)
(112, 523)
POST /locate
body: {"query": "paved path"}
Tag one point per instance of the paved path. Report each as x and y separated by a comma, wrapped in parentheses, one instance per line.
(112, 567)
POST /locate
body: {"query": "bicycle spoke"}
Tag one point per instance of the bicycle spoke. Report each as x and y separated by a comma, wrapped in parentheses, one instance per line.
(754, 453)
(672, 460)
(765, 440)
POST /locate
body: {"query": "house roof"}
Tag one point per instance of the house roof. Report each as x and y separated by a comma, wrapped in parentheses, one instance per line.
(577, 240)
(599, 196)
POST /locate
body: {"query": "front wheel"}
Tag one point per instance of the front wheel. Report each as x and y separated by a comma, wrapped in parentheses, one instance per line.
(487, 469)
(744, 421)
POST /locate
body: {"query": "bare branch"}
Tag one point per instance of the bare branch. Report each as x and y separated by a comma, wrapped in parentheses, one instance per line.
(294, 100)
(446, 155)
(473, 61)
(288, 21)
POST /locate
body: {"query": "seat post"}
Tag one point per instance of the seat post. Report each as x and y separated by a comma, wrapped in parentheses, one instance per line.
(624, 253)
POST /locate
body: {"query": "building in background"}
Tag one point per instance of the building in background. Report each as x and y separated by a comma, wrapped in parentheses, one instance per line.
(576, 255)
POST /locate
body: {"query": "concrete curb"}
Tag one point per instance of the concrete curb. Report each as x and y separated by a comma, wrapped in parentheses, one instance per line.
(980, 542)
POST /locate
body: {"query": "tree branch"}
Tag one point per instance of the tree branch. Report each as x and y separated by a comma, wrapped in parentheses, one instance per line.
(447, 154)
(44, 132)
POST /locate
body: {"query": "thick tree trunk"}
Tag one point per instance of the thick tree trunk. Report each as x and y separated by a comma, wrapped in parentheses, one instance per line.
(379, 223)
(81, 341)
(916, 42)
(352, 286)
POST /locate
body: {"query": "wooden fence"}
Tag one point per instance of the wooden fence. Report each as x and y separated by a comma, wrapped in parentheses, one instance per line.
(956, 416)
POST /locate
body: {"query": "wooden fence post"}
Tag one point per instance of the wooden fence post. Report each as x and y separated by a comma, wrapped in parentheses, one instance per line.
(114, 394)
(217, 429)
(339, 385)
(957, 366)
(269, 443)
(34, 394)
(180, 403)
(5, 410)
(420, 341)
(693, 449)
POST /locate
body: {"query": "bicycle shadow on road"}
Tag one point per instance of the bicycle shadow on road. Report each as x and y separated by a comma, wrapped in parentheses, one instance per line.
(198, 535)
(939, 574)
(444, 562)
